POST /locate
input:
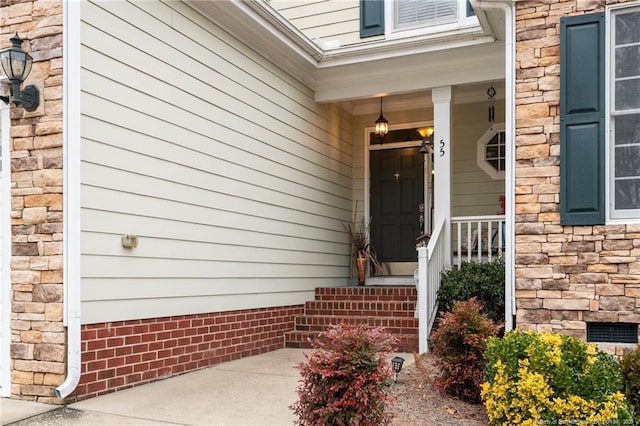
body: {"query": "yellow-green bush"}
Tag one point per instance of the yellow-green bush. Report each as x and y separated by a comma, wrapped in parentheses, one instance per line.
(549, 378)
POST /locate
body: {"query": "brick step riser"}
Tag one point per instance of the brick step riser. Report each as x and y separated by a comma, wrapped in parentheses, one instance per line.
(324, 321)
(372, 297)
(356, 313)
(300, 339)
(392, 330)
(361, 306)
(356, 298)
(387, 292)
(382, 294)
(307, 320)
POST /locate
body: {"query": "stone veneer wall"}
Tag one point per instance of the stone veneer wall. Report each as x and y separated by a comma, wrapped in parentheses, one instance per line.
(566, 276)
(37, 333)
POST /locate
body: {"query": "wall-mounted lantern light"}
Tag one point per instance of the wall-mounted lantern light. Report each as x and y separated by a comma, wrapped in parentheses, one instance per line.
(16, 64)
(427, 139)
(382, 126)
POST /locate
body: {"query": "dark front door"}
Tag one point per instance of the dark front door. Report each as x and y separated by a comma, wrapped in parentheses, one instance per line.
(397, 191)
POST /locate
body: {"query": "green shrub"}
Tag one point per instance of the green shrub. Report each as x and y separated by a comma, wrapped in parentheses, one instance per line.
(550, 378)
(484, 280)
(347, 379)
(458, 344)
(630, 365)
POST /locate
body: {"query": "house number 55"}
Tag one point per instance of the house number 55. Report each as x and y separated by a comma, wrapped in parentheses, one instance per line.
(441, 148)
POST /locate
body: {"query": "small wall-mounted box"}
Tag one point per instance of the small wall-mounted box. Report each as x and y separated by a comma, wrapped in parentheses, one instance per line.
(129, 241)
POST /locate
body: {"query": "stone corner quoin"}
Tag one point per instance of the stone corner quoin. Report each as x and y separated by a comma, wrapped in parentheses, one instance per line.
(37, 349)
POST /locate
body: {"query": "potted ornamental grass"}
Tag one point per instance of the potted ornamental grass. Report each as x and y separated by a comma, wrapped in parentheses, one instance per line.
(362, 252)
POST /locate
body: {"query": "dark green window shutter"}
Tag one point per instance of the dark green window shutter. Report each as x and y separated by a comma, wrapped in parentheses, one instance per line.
(371, 18)
(582, 118)
(470, 11)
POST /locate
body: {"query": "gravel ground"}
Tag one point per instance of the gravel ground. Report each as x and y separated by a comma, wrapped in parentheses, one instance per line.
(418, 403)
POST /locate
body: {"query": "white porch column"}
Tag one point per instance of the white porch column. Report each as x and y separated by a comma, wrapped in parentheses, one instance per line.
(441, 97)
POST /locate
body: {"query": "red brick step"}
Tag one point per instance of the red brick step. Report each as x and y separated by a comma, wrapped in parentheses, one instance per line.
(391, 307)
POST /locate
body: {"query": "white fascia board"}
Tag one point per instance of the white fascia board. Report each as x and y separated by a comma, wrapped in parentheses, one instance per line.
(484, 20)
(264, 30)
(262, 12)
(465, 65)
(403, 46)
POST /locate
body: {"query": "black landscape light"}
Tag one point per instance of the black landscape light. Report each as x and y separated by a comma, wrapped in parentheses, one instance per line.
(397, 362)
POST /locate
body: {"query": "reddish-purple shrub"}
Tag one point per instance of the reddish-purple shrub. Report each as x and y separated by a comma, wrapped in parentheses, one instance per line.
(347, 378)
(458, 345)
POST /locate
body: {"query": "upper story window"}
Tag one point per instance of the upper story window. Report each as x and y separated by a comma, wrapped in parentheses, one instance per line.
(414, 13)
(414, 17)
(407, 18)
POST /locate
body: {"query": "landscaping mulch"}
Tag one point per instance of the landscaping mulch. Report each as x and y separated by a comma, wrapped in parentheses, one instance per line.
(419, 403)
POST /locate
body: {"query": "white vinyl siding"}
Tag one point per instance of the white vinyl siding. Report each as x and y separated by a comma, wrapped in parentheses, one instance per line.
(474, 191)
(326, 20)
(234, 180)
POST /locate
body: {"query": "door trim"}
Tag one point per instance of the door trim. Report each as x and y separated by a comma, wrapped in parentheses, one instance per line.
(367, 160)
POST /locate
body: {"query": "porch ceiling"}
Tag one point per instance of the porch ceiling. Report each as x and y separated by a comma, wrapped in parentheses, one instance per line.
(464, 65)
(421, 99)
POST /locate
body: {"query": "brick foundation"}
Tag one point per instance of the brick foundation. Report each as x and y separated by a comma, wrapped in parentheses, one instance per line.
(119, 355)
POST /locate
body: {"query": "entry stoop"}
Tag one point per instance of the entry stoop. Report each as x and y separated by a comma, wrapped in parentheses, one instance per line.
(391, 307)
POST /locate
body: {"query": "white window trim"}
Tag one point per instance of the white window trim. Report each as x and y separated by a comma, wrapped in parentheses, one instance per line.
(462, 23)
(613, 216)
(481, 152)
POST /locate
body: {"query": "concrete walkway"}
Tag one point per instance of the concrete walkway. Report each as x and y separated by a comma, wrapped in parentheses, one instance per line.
(251, 391)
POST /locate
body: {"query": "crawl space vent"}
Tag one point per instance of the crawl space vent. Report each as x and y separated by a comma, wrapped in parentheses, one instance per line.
(612, 332)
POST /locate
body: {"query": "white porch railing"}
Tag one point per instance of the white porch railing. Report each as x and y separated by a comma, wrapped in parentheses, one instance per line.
(431, 262)
(477, 238)
(473, 238)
